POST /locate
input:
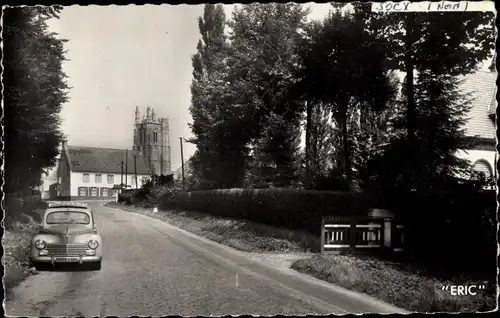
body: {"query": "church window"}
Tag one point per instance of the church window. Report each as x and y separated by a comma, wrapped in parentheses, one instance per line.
(155, 137)
(482, 166)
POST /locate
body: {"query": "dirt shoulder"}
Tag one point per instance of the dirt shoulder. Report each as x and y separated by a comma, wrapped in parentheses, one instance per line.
(240, 234)
(395, 283)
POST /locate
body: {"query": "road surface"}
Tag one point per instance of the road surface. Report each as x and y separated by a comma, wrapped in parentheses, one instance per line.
(151, 268)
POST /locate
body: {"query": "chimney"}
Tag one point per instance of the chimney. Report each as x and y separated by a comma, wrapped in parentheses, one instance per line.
(148, 114)
(64, 143)
(137, 115)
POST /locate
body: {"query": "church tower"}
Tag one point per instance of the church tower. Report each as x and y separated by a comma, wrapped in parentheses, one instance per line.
(152, 141)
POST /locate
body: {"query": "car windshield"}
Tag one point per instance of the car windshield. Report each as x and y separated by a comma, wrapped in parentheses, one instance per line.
(68, 218)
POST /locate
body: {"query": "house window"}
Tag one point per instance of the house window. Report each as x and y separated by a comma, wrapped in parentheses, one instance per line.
(86, 177)
(98, 178)
(111, 179)
(82, 191)
(93, 191)
(104, 192)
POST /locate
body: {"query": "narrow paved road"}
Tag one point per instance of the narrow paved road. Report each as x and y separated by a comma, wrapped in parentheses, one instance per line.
(151, 268)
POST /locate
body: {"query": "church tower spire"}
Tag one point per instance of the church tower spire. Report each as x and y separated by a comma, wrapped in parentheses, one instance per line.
(153, 115)
(137, 115)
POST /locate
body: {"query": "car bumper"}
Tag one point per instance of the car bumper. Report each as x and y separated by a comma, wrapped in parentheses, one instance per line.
(54, 260)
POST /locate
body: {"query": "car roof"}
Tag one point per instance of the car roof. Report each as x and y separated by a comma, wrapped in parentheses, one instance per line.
(68, 206)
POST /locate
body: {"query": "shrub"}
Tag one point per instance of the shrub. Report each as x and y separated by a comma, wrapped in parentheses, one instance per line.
(23, 209)
(291, 208)
(455, 228)
(127, 196)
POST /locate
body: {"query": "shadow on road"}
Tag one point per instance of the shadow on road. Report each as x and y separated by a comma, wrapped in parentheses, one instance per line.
(65, 268)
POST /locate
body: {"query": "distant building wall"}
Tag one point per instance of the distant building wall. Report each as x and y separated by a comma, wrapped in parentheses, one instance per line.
(47, 182)
(63, 176)
(165, 146)
(95, 184)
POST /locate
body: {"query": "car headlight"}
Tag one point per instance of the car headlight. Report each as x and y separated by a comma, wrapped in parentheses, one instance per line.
(93, 244)
(40, 244)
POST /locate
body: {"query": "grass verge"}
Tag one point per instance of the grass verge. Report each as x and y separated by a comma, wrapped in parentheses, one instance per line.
(240, 234)
(391, 283)
(16, 245)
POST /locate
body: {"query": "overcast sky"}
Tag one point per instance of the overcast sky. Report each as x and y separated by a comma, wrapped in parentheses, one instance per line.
(120, 57)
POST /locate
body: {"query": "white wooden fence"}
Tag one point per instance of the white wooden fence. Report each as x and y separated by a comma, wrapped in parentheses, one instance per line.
(352, 233)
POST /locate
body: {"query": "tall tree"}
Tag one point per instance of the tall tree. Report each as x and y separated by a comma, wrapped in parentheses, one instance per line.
(264, 40)
(34, 92)
(457, 41)
(344, 67)
(322, 142)
(442, 43)
(371, 133)
(301, 91)
(279, 146)
(441, 114)
(209, 70)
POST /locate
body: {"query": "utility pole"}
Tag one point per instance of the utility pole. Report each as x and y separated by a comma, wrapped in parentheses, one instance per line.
(135, 169)
(126, 167)
(182, 162)
(121, 175)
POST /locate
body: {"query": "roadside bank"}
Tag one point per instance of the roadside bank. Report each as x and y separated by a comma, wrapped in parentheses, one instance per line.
(16, 244)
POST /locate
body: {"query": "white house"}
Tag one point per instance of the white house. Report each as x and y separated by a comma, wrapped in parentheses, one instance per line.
(480, 127)
(93, 172)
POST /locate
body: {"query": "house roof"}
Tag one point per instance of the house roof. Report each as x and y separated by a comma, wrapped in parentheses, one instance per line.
(105, 160)
(482, 85)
